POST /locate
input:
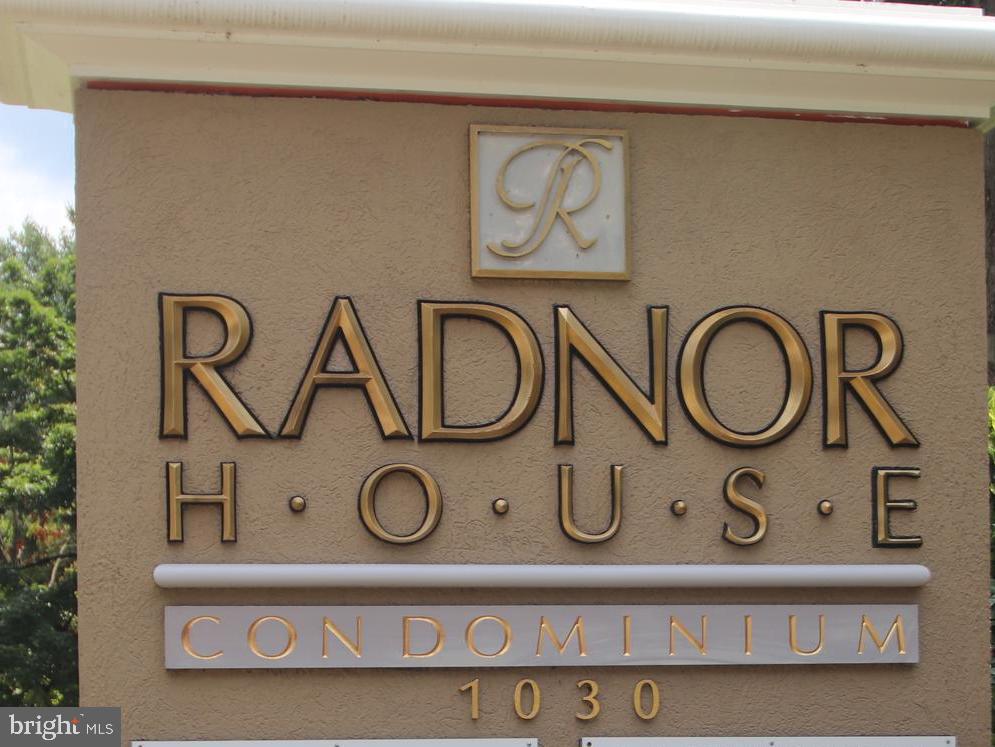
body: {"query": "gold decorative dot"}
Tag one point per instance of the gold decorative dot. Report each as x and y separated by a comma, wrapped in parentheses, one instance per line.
(501, 506)
(825, 507)
(678, 508)
(298, 503)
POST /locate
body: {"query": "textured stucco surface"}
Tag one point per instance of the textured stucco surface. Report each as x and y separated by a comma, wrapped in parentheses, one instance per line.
(285, 204)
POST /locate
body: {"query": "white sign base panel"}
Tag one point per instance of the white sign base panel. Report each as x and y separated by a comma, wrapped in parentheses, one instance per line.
(278, 637)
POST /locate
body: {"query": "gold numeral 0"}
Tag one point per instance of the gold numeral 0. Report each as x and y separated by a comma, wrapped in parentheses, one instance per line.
(474, 687)
(591, 699)
(536, 699)
(637, 700)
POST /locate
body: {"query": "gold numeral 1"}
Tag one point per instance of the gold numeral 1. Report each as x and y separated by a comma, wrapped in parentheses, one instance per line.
(536, 699)
(637, 700)
(474, 687)
(591, 699)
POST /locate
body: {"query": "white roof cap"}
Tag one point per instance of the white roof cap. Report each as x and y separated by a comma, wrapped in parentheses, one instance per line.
(830, 56)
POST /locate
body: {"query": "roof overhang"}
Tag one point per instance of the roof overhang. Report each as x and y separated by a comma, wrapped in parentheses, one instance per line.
(829, 56)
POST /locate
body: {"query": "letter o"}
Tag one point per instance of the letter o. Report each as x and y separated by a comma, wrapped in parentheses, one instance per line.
(471, 642)
(291, 637)
(368, 498)
(691, 389)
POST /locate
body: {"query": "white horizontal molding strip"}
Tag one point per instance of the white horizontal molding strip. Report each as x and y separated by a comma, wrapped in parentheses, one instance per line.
(398, 575)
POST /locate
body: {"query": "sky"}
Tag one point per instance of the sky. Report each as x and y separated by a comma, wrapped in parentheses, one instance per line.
(37, 167)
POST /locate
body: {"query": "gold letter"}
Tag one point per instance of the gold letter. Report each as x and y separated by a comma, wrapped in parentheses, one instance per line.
(836, 378)
(432, 317)
(591, 699)
(176, 364)
(291, 637)
(185, 637)
(567, 523)
(691, 386)
(474, 688)
(368, 510)
(471, 642)
(793, 636)
(536, 699)
(702, 645)
(881, 535)
(637, 700)
(330, 627)
(342, 323)
(176, 499)
(573, 338)
(551, 206)
(897, 629)
(547, 629)
(748, 635)
(440, 637)
(749, 507)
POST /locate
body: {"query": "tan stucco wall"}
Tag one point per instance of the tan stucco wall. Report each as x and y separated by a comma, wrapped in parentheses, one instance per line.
(285, 204)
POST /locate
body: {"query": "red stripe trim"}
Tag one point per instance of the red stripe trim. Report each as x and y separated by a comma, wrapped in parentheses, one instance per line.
(528, 103)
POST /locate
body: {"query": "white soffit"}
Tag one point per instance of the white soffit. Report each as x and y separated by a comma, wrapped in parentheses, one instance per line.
(829, 56)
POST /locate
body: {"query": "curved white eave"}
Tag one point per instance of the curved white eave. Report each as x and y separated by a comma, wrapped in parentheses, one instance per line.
(807, 55)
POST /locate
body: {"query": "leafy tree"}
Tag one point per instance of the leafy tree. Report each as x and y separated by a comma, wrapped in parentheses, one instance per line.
(38, 663)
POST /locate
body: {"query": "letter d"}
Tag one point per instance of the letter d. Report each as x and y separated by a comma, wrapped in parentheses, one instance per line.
(431, 319)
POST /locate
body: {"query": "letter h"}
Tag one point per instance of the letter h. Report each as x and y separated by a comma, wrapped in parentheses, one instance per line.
(176, 499)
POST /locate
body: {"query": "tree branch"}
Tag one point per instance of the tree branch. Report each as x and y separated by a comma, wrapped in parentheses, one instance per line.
(44, 561)
(57, 565)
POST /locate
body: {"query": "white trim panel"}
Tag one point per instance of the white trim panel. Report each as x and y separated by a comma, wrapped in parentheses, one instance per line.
(818, 55)
(769, 742)
(396, 575)
(520, 742)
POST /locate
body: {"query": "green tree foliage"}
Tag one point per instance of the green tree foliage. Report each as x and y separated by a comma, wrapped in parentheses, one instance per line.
(38, 663)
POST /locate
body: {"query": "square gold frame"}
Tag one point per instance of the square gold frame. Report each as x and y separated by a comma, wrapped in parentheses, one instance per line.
(477, 272)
